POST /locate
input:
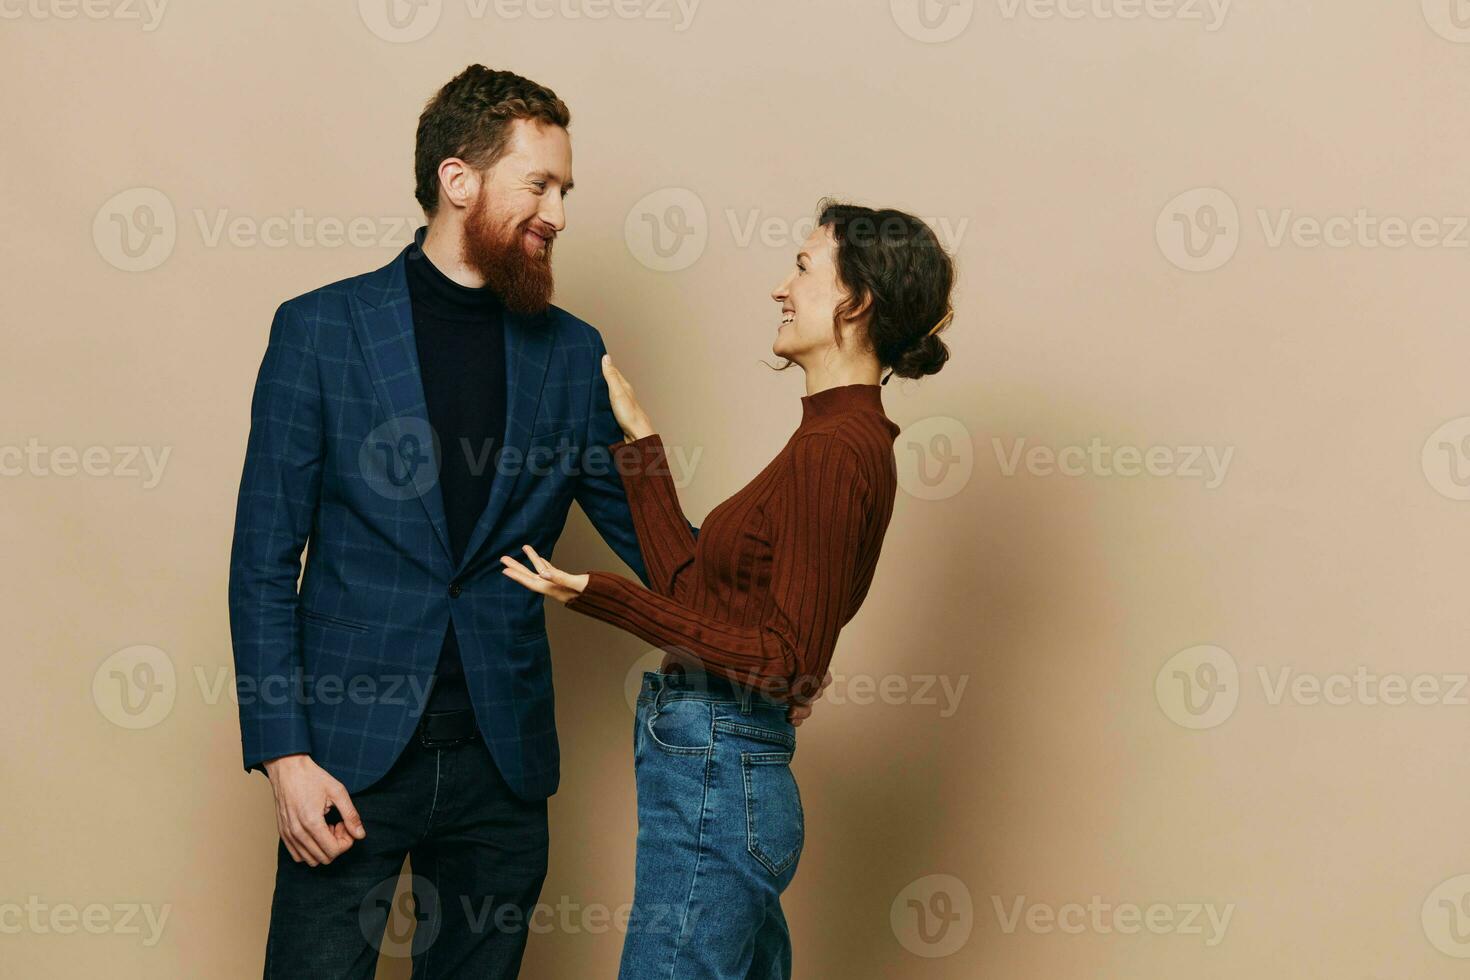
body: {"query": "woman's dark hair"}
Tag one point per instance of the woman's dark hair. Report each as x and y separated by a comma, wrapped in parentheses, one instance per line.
(892, 261)
(470, 117)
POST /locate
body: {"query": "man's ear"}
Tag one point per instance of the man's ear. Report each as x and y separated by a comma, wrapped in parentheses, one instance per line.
(459, 183)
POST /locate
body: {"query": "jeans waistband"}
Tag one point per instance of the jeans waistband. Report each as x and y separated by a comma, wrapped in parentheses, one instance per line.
(703, 686)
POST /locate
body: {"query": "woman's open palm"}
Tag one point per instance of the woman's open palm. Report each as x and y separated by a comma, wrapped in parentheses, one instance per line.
(547, 579)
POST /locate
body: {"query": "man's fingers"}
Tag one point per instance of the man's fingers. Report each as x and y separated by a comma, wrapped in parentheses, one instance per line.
(320, 835)
(311, 855)
(350, 818)
(289, 844)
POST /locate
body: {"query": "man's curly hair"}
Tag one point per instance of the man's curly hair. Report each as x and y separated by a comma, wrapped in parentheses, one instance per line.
(470, 118)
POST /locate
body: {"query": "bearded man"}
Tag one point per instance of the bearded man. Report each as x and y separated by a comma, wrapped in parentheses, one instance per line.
(415, 423)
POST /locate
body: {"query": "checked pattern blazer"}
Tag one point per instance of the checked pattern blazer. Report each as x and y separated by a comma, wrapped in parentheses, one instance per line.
(340, 461)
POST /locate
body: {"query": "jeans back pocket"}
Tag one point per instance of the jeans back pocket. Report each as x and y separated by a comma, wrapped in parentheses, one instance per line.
(774, 823)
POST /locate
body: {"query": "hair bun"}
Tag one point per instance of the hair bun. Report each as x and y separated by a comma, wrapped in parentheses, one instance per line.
(926, 356)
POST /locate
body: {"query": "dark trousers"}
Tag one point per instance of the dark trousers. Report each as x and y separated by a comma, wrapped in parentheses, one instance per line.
(478, 856)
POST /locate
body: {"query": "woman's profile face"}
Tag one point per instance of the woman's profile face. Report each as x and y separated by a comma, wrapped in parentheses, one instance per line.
(808, 297)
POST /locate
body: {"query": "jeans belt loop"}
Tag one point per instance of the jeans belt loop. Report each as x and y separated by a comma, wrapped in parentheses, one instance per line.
(660, 685)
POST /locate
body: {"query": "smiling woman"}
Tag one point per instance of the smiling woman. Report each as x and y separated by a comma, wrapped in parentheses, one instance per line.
(748, 611)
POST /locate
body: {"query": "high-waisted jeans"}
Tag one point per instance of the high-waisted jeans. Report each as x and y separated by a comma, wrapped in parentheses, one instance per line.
(720, 831)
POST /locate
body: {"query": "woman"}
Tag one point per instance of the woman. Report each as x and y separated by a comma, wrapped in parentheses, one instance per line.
(748, 611)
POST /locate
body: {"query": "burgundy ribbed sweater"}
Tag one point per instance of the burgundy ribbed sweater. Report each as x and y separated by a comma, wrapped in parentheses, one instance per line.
(778, 568)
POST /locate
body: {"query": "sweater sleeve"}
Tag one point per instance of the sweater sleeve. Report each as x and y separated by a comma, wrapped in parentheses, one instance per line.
(817, 526)
(664, 534)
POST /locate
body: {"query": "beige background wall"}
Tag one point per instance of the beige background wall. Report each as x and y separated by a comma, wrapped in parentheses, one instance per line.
(1231, 687)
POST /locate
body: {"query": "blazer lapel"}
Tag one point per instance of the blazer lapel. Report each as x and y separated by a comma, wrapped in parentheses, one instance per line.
(382, 317)
(527, 354)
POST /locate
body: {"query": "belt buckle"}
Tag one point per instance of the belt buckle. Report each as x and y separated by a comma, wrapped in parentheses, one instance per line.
(431, 742)
(442, 743)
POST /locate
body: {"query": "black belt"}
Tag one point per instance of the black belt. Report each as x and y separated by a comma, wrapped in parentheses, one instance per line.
(680, 678)
(438, 729)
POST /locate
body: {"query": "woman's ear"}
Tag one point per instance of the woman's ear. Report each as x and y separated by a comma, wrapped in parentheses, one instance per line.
(851, 315)
(856, 309)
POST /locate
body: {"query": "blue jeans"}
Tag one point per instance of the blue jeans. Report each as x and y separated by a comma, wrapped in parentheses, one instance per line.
(720, 831)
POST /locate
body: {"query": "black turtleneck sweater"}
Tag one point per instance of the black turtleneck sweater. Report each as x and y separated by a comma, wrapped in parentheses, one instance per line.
(461, 346)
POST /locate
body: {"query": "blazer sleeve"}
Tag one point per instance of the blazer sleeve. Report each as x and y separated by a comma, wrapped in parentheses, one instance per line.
(817, 532)
(279, 489)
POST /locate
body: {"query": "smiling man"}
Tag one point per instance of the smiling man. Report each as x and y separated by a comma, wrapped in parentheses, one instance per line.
(401, 702)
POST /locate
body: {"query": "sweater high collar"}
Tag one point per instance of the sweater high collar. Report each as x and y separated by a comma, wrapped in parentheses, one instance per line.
(840, 399)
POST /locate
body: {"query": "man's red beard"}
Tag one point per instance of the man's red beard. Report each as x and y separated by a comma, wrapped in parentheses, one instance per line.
(521, 280)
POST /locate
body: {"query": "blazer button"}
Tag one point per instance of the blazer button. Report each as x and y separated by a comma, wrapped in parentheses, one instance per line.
(454, 590)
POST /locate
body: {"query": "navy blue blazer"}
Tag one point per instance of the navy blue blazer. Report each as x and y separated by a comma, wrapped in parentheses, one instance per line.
(340, 461)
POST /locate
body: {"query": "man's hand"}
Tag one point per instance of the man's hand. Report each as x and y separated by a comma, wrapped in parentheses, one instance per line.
(304, 792)
(800, 711)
